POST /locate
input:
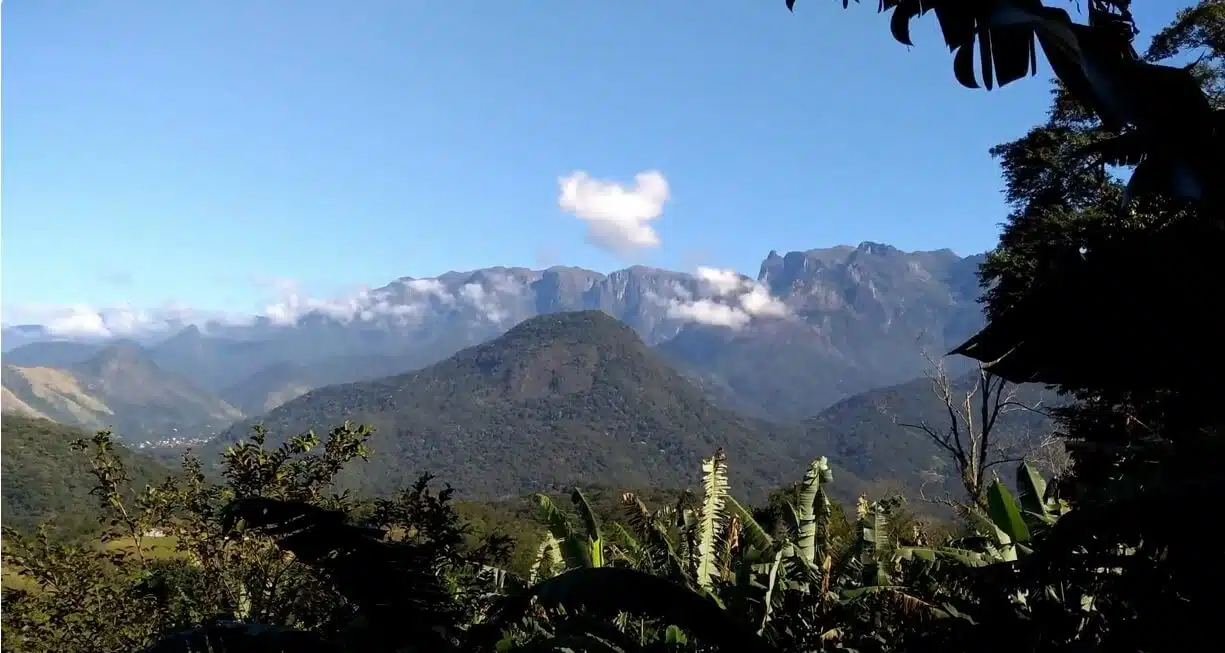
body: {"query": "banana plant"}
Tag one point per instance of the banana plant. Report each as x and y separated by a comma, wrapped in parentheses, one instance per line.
(870, 565)
(712, 524)
(693, 544)
(1010, 524)
(564, 546)
(716, 547)
(1007, 527)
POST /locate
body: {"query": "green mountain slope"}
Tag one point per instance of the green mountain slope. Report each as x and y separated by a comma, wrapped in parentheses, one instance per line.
(43, 477)
(866, 434)
(572, 398)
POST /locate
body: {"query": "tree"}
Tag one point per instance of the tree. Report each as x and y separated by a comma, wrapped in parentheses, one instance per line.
(1108, 292)
(1116, 305)
(969, 438)
(232, 583)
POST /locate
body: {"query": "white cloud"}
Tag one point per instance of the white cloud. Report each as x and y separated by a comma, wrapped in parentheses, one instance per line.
(733, 302)
(707, 311)
(428, 288)
(86, 322)
(403, 303)
(618, 218)
(293, 305)
(486, 303)
(80, 321)
(759, 303)
(724, 282)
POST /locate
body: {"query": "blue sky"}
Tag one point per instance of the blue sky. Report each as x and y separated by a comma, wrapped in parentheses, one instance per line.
(192, 152)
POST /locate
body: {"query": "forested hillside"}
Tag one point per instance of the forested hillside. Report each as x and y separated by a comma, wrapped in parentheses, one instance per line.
(564, 399)
(44, 478)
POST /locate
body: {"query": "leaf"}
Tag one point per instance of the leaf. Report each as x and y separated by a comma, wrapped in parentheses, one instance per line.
(898, 595)
(574, 551)
(1005, 514)
(899, 22)
(595, 540)
(771, 582)
(985, 60)
(806, 514)
(652, 533)
(792, 519)
(548, 551)
(963, 67)
(961, 556)
(752, 531)
(1033, 489)
(627, 540)
(714, 490)
(1126, 149)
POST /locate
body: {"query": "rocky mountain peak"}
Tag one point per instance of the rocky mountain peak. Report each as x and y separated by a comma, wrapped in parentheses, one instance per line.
(877, 249)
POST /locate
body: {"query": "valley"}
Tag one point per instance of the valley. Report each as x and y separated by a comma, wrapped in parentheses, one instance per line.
(505, 381)
(295, 354)
(813, 328)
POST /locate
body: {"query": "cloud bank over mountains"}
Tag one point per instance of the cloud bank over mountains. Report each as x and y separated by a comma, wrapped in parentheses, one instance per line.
(711, 296)
(733, 300)
(618, 218)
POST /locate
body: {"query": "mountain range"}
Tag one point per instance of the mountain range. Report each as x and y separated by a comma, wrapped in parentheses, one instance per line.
(504, 381)
(813, 328)
(574, 398)
(567, 399)
(118, 387)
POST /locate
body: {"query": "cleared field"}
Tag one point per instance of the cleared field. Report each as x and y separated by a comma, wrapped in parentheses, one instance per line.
(155, 548)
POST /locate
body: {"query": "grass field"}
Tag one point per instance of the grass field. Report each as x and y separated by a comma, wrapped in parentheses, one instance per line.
(156, 548)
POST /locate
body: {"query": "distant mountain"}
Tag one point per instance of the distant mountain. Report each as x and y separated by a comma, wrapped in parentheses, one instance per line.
(814, 327)
(19, 335)
(119, 387)
(571, 398)
(42, 477)
(51, 353)
(281, 382)
(865, 313)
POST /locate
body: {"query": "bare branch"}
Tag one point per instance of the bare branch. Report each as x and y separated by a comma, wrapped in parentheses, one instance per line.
(972, 438)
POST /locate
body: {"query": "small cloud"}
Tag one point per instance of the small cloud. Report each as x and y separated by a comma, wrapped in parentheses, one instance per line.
(425, 286)
(724, 282)
(707, 311)
(759, 303)
(486, 303)
(734, 301)
(293, 304)
(80, 321)
(618, 218)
